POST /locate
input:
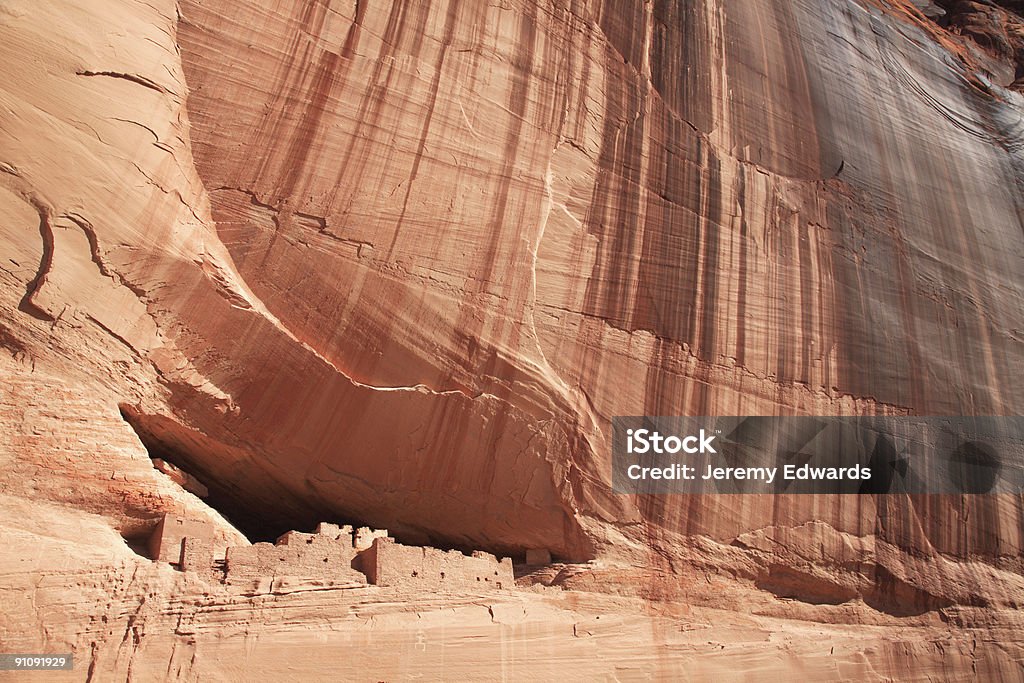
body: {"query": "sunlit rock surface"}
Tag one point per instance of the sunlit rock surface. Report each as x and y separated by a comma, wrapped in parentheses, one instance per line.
(398, 264)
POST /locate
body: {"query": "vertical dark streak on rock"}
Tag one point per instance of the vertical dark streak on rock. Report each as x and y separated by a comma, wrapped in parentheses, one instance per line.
(779, 303)
(290, 75)
(353, 161)
(913, 394)
(518, 100)
(316, 104)
(582, 91)
(623, 25)
(776, 122)
(348, 48)
(446, 41)
(658, 292)
(615, 203)
(848, 301)
(959, 234)
(741, 277)
(681, 60)
(712, 222)
(808, 293)
(826, 312)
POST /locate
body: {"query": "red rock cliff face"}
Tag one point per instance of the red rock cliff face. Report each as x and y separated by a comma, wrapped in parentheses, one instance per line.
(400, 263)
(498, 226)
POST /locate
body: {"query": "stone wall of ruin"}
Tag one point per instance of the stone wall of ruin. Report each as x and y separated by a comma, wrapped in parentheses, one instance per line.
(334, 554)
(310, 556)
(166, 544)
(387, 563)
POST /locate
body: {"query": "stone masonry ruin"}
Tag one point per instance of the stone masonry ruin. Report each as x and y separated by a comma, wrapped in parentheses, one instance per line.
(336, 555)
(387, 563)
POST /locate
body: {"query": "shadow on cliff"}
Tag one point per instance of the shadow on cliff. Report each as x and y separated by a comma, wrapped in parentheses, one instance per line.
(261, 511)
(252, 513)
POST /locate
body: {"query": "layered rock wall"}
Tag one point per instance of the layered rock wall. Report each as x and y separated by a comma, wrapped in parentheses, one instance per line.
(706, 208)
(401, 262)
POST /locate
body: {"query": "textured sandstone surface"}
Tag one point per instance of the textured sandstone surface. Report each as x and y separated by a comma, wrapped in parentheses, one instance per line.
(398, 263)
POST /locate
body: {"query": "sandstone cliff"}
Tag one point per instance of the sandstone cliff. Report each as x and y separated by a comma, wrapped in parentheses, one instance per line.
(398, 264)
